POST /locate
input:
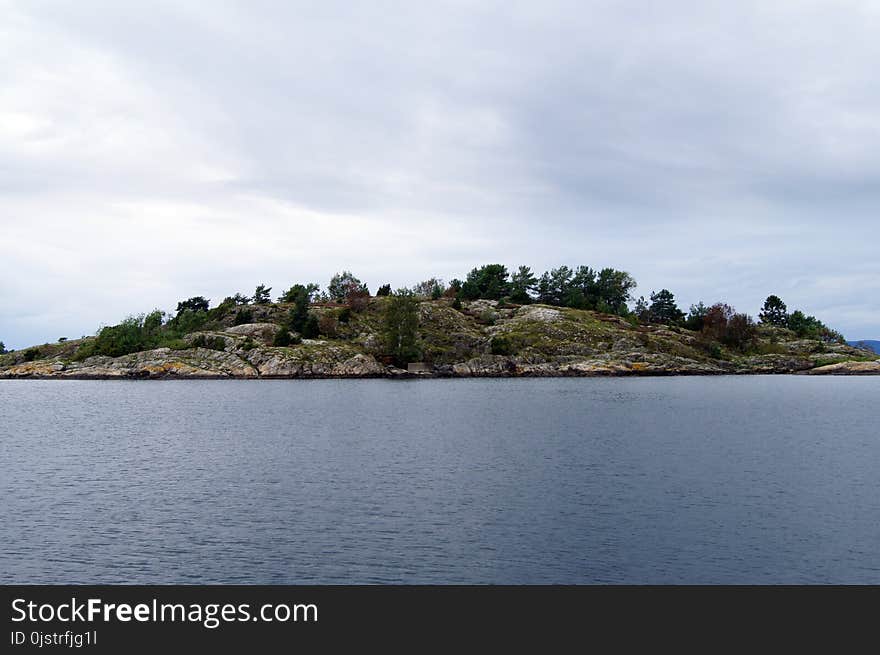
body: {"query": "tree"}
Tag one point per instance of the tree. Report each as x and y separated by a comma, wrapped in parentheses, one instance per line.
(342, 284)
(488, 282)
(310, 328)
(613, 289)
(194, 304)
(716, 319)
(740, 333)
(297, 290)
(554, 285)
(240, 299)
(810, 327)
(384, 290)
(400, 327)
(774, 312)
(261, 294)
(642, 311)
(663, 308)
(3, 350)
(722, 323)
(358, 298)
(300, 295)
(522, 284)
(694, 320)
(431, 288)
(582, 291)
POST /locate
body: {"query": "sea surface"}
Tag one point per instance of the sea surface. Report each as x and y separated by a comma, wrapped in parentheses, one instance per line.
(770, 479)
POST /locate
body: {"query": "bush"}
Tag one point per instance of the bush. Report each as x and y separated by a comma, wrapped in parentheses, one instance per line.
(282, 337)
(31, 354)
(212, 343)
(327, 325)
(487, 317)
(310, 328)
(243, 316)
(501, 345)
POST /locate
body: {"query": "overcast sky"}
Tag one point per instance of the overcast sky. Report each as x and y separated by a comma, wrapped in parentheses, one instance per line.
(155, 151)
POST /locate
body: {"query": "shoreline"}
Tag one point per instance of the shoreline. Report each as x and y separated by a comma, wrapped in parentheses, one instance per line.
(441, 376)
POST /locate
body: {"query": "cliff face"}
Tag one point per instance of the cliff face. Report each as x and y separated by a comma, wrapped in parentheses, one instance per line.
(482, 339)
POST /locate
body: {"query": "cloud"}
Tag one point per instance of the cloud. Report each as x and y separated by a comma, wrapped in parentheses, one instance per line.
(149, 153)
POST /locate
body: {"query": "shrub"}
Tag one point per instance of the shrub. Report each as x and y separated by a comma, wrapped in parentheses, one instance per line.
(327, 325)
(243, 316)
(282, 337)
(310, 328)
(31, 354)
(212, 343)
(501, 345)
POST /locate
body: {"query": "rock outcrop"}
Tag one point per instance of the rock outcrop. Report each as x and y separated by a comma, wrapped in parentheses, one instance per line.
(481, 339)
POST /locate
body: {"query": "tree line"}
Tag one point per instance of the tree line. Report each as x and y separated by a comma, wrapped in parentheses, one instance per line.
(605, 290)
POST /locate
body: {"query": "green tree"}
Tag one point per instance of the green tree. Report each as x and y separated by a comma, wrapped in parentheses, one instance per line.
(555, 285)
(194, 304)
(454, 289)
(810, 327)
(301, 296)
(663, 308)
(694, 320)
(261, 294)
(488, 282)
(384, 290)
(297, 290)
(342, 284)
(310, 328)
(400, 327)
(642, 310)
(613, 290)
(522, 284)
(3, 350)
(774, 312)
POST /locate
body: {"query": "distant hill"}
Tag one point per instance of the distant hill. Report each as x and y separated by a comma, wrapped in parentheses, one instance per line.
(875, 345)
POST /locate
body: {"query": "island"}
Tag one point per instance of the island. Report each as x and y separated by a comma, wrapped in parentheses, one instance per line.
(568, 322)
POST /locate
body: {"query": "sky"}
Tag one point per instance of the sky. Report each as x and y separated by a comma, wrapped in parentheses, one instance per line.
(150, 152)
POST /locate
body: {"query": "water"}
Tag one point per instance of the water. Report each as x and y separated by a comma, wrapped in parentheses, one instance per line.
(672, 480)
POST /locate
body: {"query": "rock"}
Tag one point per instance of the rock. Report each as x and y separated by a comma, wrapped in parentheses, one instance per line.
(537, 313)
(264, 332)
(848, 368)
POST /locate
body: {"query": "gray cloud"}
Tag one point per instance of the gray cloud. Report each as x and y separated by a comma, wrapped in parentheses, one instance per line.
(722, 150)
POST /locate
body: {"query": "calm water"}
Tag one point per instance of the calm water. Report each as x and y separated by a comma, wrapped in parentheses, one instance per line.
(676, 480)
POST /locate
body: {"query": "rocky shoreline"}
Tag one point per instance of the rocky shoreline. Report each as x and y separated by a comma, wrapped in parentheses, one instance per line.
(546, 342)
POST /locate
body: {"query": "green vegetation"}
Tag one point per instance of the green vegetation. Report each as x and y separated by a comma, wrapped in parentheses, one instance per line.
(400, 329)
(575, 312)
(261, 294)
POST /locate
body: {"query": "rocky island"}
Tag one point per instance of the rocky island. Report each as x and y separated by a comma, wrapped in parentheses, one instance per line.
(449, 337)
